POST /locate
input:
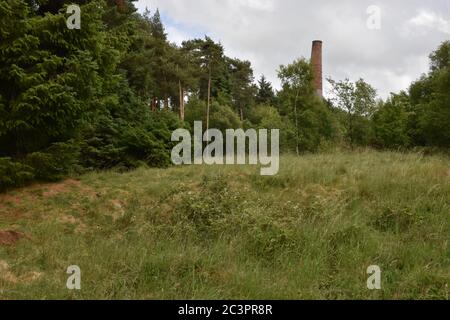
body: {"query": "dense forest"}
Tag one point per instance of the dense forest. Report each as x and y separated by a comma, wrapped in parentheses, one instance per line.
(110, 94)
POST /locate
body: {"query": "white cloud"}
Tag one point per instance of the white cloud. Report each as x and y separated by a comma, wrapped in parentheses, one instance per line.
(176, 35)
(429, 21)
(262, 5)
(270, 33)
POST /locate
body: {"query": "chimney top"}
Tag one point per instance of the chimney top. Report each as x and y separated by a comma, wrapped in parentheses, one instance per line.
(316, 62)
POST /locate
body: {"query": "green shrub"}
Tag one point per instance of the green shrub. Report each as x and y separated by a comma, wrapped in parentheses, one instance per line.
(14, 174)
(126, 140)
(55, 162)
(266, 238)
(140, 144)
(222, 117)
(212, 207)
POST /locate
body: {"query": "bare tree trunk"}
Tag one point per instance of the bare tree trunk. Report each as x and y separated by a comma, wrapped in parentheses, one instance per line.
(241, 112)
(158, 104)
(181, 101)
(166, 103)
(209, 100)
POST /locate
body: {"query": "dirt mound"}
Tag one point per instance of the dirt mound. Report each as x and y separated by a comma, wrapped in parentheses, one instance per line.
(57, 188)
(45, 190)
(10, 237)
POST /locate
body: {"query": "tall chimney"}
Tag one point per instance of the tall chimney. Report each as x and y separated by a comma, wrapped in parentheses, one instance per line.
(316, 62)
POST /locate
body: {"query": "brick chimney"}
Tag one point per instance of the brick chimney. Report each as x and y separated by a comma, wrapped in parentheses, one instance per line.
(316, 62)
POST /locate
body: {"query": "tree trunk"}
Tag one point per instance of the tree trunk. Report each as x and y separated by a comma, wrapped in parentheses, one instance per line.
(209, 100)
(153, 104)
(166, 103)
(181, 101)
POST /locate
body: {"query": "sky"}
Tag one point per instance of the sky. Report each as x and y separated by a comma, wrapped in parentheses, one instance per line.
(385, 42)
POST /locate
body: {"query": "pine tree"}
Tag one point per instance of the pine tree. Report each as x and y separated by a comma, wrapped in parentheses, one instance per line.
(265, 93)
(212, 71)
(50, 76)
(158, 30)
(242, 88)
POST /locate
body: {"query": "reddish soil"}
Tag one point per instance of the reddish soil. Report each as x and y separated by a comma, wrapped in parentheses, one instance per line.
(10, 237)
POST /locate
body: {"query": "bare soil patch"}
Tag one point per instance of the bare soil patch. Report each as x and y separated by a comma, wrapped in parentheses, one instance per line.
(10, 237)
(46, 190)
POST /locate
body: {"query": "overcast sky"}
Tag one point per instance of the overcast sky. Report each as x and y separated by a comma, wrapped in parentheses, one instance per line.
(274, 32)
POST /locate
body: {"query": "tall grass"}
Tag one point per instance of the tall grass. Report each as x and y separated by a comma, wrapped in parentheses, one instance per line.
(225, 232)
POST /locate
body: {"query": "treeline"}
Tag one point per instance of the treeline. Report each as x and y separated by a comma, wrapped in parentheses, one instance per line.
(418, 117)
(110, 94)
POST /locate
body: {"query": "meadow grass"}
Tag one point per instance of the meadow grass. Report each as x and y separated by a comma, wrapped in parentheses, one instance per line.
(225, 232)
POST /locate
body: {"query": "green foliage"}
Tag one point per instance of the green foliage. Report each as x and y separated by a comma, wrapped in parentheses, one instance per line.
(207, 208)
(14, 174)
(221, 117)
(434, 118)
(49, 76)
(430, 103)
(267, 117)
(76, 97)
(310, 117)
(265, 94)
(195, 111)
(55, 162)
(157, 29)
(242, 88)
(440, 59)
(152, 142)
(358, 100)
(209, 63)
(109, 95)
(390, 123)
(51, 164)
(113, 142)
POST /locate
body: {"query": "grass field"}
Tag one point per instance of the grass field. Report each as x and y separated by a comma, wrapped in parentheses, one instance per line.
(226, 232)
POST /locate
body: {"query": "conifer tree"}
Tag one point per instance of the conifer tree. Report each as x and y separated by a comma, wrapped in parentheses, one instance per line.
(51, 77)
(265, 93)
